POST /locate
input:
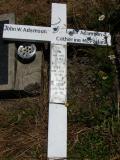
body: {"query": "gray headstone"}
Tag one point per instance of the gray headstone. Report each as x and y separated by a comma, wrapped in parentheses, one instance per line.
(7, 56)
(29, 76)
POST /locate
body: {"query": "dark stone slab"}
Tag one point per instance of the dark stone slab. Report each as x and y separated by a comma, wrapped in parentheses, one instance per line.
(3, 57)
(7, 56)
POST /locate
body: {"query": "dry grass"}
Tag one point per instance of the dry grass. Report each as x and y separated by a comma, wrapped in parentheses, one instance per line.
(79, 12)
(23, 122)
(23, 126)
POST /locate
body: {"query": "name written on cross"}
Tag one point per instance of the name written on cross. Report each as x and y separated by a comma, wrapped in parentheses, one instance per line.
(21, 29)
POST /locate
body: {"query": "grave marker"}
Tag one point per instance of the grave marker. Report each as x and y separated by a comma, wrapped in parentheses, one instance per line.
(59, 36)
(28, 76)
(15, 75)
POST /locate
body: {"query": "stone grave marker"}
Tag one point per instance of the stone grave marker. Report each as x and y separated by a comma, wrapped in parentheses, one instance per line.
(29, 76)
(15, 75)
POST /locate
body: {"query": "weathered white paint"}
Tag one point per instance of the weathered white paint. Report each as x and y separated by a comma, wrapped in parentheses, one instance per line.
(88, 37)
(59, 22)
(55, 34)
(57, 130)
(58, 79)
(26, 33)
(57, 137)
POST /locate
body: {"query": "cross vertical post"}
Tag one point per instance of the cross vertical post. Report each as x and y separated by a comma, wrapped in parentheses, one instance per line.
(57, 126)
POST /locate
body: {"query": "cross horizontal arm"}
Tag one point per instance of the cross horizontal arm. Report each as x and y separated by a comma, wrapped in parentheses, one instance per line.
(33, 33)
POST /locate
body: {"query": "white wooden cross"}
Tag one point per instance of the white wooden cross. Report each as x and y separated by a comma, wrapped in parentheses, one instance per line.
(59, 36)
